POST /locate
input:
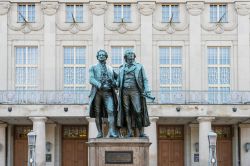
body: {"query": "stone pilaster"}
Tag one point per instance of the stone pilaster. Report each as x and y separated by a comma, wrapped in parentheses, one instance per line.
(204, 128)
(98, 9)
(51, 138)
(3, 144)
(195, 59)
(146, 9)
(243, 10)
(245, 138)
(4, 8)
(49, 56)
(39, 128)
(92, 128)
(194, 132)
(151, 132)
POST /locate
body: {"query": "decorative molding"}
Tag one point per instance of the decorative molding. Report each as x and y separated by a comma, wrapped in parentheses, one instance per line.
(220, 27)
(242, 8)
(49, 8)
(170, 27)
(205, 119)
(4, 8)
(25, 27)
(146, 9)
(98, 8)
(74, 27)
(195, 8)
(123, 27)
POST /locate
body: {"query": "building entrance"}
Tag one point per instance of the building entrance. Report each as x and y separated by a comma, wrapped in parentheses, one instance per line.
(224, 145)
(74, 147)
(170, 145)
(21, 145)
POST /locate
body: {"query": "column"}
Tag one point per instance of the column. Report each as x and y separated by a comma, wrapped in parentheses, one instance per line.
(204, 128)
(235, 148)
(39, 128)
(146, 9)
(98, 9)
(51, 138)
(245, 138)
(243, 9)
(4, 8)
(92, 128)
(194, 139)
(195, 53)
(151, 132)
(49, 10)
(3, 144)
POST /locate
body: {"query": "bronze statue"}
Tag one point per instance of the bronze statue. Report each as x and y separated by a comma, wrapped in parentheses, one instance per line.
(133, 88)
(103, 99)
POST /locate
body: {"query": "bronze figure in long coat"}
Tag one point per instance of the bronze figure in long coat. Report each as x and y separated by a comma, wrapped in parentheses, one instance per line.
(133, 85)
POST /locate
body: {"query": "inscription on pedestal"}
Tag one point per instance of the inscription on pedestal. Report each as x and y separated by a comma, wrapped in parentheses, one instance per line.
(118, 157)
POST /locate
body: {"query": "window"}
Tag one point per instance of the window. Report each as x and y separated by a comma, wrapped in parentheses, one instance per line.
(117, 54)
(218, 74)
(26, 68)
(170, 73)
(26, 12)
(74, 68)
(74, 13)
(170, 13)
(218, 13)
(122, 13)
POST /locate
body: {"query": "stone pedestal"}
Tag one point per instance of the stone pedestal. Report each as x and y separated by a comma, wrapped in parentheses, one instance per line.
(119, 152)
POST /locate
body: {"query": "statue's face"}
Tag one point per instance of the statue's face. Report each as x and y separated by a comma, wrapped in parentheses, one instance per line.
(130, 58)
(102, 56)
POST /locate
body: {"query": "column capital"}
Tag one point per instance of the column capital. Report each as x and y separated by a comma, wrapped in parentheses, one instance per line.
(244, 125)
(4, 7)
(98, 8)
(38, 119)
(146, 8)
(153, 119)
(242, 8)
(205, 119)
(3, 125)
(49, 8)
(195, 8)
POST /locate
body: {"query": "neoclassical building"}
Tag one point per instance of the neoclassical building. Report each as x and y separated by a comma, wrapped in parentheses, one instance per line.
(196, 55)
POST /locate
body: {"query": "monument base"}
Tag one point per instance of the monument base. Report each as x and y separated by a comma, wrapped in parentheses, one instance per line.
(118, 151)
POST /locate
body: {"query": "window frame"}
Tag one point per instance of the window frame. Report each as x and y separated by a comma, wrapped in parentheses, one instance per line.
(74, 12)
(122, 13)
(170, 13)
(74, 66)
(26, 16)
(218, 9)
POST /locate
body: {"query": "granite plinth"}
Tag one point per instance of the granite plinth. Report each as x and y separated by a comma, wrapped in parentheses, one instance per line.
(118, 151)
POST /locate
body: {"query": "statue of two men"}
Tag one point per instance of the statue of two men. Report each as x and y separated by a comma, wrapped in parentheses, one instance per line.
(132, 84)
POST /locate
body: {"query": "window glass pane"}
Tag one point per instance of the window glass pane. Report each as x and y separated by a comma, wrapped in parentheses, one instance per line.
(176, 55)
(31, 13)
(126, 13)
(212, 56)
(212, 75)
(164, 56)
(224, 75)
(176, 75)
(69, 13)
(175, 13)
(213, 13)
(68, 75)
(80, 75)
(165, 13)
(117, 13)
(21, 9)
(223, 13)
(224, 55)
(79, 13)
(164, 75)
(80, 55)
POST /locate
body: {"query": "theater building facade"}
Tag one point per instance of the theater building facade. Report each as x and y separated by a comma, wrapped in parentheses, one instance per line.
(196, 55)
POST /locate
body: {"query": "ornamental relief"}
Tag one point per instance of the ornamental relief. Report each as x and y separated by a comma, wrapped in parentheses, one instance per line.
(219, 27)
(25, 27)
(73, 27)
(4, 7)
(122, 27)
(170, 27)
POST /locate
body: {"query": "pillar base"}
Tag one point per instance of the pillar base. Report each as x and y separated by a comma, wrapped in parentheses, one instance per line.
(116, 152)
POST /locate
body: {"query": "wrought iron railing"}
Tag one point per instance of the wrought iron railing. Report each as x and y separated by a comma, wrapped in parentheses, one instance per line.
(162, 97)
